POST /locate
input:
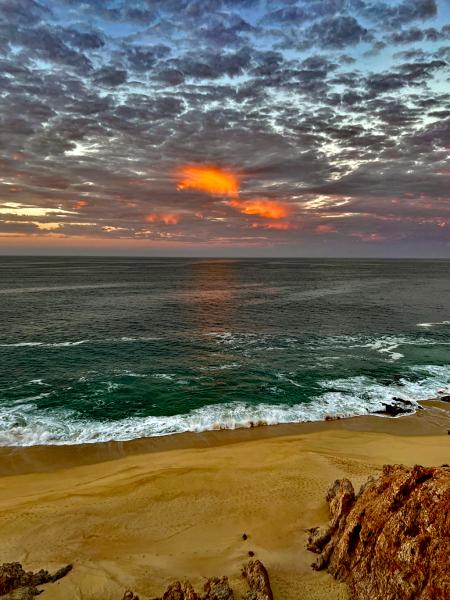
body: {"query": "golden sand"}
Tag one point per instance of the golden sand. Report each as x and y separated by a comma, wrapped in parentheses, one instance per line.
(140, 514)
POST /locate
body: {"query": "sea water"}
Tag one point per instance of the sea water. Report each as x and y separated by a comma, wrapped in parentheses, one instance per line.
(97, 349)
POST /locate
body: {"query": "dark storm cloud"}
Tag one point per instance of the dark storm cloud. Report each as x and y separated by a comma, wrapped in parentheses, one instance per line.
(101, 101)
(23, 12)
(110, 76)
(407, 74)
(209, 65)
(143, 58)
(414, 34)
(84, 40)
(337, 32)
(43, 43)
(393, 15)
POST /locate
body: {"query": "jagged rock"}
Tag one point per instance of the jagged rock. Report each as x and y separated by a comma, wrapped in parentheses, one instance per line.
(318, 538)
(23, 593)
(258, 581)
(401, 407)
(217, 589)
(13, 577)
(179, 591)
(340, 498)
(393, 539)
(130, 596)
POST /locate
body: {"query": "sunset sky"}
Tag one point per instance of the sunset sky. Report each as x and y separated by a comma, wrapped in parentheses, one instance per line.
(225, 127)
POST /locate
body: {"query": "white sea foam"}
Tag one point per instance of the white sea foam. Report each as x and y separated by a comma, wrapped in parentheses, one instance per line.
(21, 344)
(127, 373)
(23, 425)
(388, 346)
(164, 376)
(45, 345)
(384, 345)
(223, 367)
(69, 343)
(433, 324)
(135, 339)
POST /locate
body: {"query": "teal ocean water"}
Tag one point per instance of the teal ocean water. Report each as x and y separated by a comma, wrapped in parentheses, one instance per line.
(95, 349)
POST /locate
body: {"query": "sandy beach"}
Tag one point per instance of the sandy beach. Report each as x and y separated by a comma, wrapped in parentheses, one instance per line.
(141, 514)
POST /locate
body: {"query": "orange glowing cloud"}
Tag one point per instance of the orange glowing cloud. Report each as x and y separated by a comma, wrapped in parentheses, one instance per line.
(277, 225)
(325, 229)
(80, 204)
(166, 218)
(210, 179)
(217, 181)
(269, 209)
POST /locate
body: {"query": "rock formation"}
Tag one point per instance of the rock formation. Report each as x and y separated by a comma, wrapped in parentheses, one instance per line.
(130, 596)
(258, 581)
(400, 407)
(392, 540)
(17, 584)
(218, 588)
(215, 588)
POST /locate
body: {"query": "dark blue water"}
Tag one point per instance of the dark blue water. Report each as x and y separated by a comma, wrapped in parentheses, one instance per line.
(100, 349)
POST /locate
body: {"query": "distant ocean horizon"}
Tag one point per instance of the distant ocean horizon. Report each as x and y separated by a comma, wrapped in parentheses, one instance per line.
(114, 348)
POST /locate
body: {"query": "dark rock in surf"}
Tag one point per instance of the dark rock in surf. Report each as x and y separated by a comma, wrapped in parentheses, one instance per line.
(401, 407)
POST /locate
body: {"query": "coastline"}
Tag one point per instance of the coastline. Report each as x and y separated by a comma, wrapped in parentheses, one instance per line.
(434, 419)
(139, 514)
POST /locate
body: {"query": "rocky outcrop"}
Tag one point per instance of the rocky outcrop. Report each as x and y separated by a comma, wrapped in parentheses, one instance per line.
(218, 588)
(392, 540)
(399, 407)
(180, 591)
(258, 581)
(130, 596)
(215, 588)
(18, 584)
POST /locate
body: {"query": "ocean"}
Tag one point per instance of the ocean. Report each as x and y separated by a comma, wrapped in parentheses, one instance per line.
(98, 349)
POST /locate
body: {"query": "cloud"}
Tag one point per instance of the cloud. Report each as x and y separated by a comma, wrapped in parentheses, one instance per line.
(110, 76)
(166, 218)
(337, 32)
(207, 178)
(257, 110)
(262, 207)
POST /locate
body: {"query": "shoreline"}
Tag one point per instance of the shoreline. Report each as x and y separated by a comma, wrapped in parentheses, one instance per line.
(432, 420)
(141, 514)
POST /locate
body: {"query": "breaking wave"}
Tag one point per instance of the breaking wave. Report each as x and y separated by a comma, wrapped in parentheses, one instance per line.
(23, 425)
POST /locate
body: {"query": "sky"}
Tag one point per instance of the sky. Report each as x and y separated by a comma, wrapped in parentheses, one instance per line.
(225, 127)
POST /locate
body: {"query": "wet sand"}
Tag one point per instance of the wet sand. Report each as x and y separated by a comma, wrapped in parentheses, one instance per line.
(140, 514)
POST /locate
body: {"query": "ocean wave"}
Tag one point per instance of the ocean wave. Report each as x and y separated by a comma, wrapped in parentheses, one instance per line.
(70, 343)
(386, 345)
(346, 397)
(45, 344)
(427, 325)
(222, 367)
